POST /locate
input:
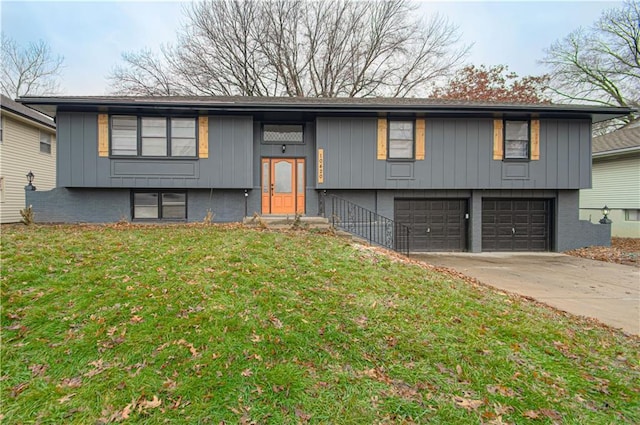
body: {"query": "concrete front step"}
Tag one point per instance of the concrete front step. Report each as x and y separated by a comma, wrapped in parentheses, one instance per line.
(287, 222)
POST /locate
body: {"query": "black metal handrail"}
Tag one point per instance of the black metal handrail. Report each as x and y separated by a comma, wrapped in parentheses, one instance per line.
(373, 227)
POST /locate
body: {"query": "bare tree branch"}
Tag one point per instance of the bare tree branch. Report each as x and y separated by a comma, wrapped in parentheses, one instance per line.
(319, 48)
(29, 71)
(600, 64)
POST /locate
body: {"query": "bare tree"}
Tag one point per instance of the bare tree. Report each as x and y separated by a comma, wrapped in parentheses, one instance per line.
(29, 70)
(600, 64)
(319, 48)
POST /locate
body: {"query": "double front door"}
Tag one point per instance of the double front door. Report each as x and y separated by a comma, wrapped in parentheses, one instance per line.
(283, 186)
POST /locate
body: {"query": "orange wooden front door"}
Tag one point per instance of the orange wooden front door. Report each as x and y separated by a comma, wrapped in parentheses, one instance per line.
(283, 186)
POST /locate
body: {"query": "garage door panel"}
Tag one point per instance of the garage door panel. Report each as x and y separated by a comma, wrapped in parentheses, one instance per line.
(516, 225)
(435, 224)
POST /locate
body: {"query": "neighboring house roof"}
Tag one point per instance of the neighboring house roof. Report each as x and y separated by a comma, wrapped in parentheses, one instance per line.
(49, 105)
(10, 106)
(626, 139)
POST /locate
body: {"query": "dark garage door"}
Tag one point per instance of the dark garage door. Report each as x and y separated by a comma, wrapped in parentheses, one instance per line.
(436, 224)
(516, 225)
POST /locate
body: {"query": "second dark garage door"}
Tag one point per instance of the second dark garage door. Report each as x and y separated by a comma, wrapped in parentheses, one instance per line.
(436, 224)
(516, 225)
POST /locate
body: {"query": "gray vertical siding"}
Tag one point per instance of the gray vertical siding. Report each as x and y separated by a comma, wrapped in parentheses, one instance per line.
(459, 155)
(229, 164)
(230, 152)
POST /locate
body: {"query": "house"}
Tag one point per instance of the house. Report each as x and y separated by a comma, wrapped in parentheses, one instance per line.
(616, 182)
(461, 176)
(27, 143)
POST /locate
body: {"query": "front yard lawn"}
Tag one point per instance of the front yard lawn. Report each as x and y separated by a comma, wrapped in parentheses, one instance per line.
(221, 324)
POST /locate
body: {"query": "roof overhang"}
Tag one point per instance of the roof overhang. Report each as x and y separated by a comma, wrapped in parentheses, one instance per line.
(337, 106)
(16, 115)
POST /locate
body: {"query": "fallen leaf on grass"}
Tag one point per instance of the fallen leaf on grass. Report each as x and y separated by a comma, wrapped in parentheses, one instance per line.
(551, 414)
(501, 389)
(275, 321)
(136, 319)
(188, 345)
(531, 414)
(16, 390)
(466, 403)
(99, 367)
(66, 398)
(302, 416)
(149, 404)
(38, 369)
(75, 382)
(247, 372)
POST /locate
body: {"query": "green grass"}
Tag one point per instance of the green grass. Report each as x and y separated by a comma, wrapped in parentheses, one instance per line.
(204, 324)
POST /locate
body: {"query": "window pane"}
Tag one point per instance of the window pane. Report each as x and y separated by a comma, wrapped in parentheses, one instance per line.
(154, 137)
(300, 176)
(283, 173)
(282, 133)
(401, 130)
(145, 205)
(516, 149)
(154, 127)
(183, 127)
(124, 135)
(633, 215)
(183, 137)
(401, 139)
(154, 146)
(517, 130)
(45, 142)
(174, 205)
(401, 149)
(265, 177)
(183, 147)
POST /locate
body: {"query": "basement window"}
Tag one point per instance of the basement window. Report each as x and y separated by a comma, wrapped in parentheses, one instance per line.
(632, 215)
(159, 205)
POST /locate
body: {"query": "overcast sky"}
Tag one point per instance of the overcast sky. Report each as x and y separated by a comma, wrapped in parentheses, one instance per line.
(91, 35)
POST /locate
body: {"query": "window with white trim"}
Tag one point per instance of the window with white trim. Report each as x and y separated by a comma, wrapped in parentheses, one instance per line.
(401, 139)
(45, 142)
(632, 215)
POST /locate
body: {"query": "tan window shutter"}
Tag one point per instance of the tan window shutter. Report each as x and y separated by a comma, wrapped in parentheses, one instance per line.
(203, 137)
(535, 140)
(103, 135)
(420, 136)
(498, 143)
(382, 138)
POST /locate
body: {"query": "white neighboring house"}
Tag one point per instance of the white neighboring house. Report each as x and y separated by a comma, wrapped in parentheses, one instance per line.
(615, 181)
(27, 143)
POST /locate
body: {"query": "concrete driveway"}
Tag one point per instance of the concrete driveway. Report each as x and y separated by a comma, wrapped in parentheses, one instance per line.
(604, 291)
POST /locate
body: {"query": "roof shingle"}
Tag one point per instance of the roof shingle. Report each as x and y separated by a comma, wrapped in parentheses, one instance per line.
(623, 138)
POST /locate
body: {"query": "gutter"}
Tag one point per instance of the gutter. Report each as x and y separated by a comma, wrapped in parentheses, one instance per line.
(616, 152)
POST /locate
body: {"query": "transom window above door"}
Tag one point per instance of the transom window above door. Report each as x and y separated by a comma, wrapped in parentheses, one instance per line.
(282, 133)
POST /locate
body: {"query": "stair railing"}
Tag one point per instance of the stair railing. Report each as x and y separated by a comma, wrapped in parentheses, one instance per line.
(373, 227)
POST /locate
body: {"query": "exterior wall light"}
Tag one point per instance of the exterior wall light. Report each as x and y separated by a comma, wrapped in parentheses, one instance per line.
(605, 213)
(284, 148)
(30, 177)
